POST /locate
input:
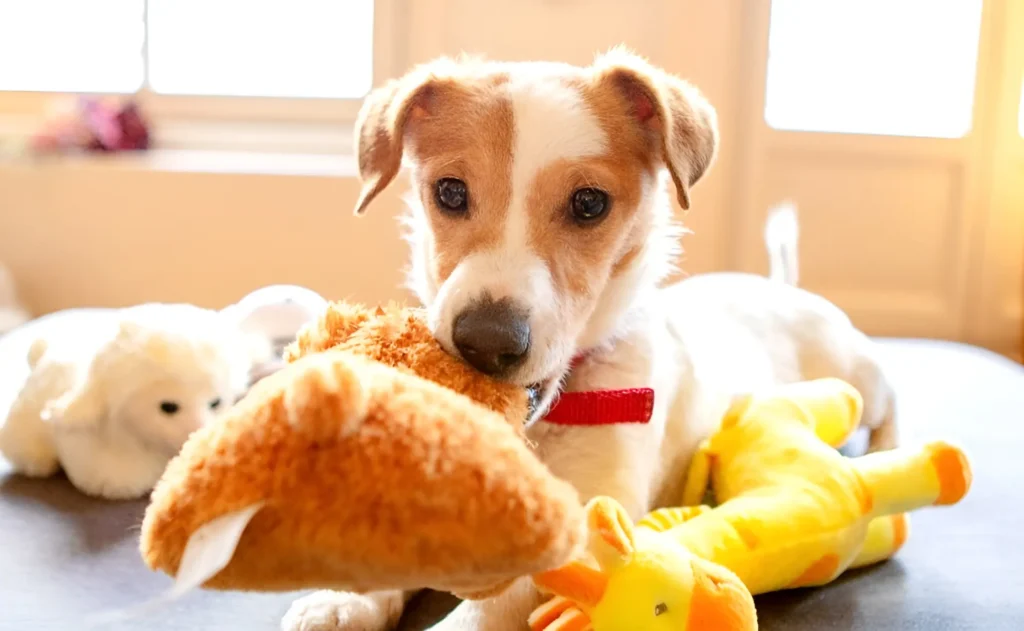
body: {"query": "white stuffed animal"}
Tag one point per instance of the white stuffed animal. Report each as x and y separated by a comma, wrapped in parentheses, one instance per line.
(111, 395)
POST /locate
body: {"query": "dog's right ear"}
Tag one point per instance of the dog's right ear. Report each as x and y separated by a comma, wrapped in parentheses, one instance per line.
(381, 127)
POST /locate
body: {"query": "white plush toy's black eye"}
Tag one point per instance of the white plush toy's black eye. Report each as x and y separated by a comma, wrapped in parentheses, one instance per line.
(660, 609)
(215, 403)
(169, 407)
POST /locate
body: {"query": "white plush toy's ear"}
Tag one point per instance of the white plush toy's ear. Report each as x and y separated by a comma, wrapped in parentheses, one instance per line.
(81, 407)
(85, 404)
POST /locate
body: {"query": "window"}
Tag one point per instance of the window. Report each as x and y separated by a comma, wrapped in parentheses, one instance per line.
(71, 46)
(885, 67)
(280, 48)
(253, 48)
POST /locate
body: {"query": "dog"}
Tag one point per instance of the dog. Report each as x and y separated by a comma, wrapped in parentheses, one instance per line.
(542, 234)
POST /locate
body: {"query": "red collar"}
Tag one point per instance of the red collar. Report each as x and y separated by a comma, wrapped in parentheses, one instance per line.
(602, 407)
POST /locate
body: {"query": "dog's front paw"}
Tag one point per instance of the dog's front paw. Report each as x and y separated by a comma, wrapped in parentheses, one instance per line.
(340, 611)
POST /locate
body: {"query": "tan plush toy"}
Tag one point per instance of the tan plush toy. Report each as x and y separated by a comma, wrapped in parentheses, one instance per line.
(373, 460)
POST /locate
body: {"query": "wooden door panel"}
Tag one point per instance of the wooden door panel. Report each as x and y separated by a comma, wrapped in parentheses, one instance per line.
(877, 234)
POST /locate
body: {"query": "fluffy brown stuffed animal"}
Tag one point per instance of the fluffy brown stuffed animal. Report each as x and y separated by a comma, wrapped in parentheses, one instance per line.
(373, 460)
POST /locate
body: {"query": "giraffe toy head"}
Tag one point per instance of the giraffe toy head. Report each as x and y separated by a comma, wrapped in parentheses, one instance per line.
(640, 581)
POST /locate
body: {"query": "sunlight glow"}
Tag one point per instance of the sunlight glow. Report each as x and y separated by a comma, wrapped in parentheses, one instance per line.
(274, 48)
(71, 45)
(886, 67)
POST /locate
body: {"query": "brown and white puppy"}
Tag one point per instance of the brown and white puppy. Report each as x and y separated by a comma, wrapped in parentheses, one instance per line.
(541, 231)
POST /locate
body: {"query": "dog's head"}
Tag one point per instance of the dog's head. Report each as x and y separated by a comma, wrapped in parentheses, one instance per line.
(536, 205)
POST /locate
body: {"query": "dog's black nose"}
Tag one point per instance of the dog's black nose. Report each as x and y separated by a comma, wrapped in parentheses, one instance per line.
(493, 336)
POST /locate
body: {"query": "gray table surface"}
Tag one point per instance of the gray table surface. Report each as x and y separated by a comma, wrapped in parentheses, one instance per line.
(65, 557)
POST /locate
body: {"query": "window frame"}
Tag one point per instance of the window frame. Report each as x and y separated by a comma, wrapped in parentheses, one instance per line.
(177, 118)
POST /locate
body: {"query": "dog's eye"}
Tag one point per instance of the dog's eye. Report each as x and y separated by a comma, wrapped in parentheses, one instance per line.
(451, 195)
(215, 403)
(169, 407)
(660, 609)
(589, 205)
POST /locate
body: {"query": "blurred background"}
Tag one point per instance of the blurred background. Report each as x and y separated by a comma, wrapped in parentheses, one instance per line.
(895, 125)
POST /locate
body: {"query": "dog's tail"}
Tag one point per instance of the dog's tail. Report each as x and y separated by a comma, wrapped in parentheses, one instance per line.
(781, 235)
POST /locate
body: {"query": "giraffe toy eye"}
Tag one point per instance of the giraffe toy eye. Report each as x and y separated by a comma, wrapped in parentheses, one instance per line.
(660, 609)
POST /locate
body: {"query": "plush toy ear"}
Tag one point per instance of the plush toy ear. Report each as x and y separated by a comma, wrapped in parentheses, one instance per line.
(383, 121)
(682, 125)
(719, 600)
(580, 583)
(611, 532)
(81, 407)
(325, 397)
(85, 404)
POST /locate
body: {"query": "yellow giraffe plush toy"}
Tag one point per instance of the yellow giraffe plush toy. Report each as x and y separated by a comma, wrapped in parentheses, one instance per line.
(791, 512)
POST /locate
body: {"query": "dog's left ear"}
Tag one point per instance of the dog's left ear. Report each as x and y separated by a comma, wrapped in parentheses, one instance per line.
(681, 125)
